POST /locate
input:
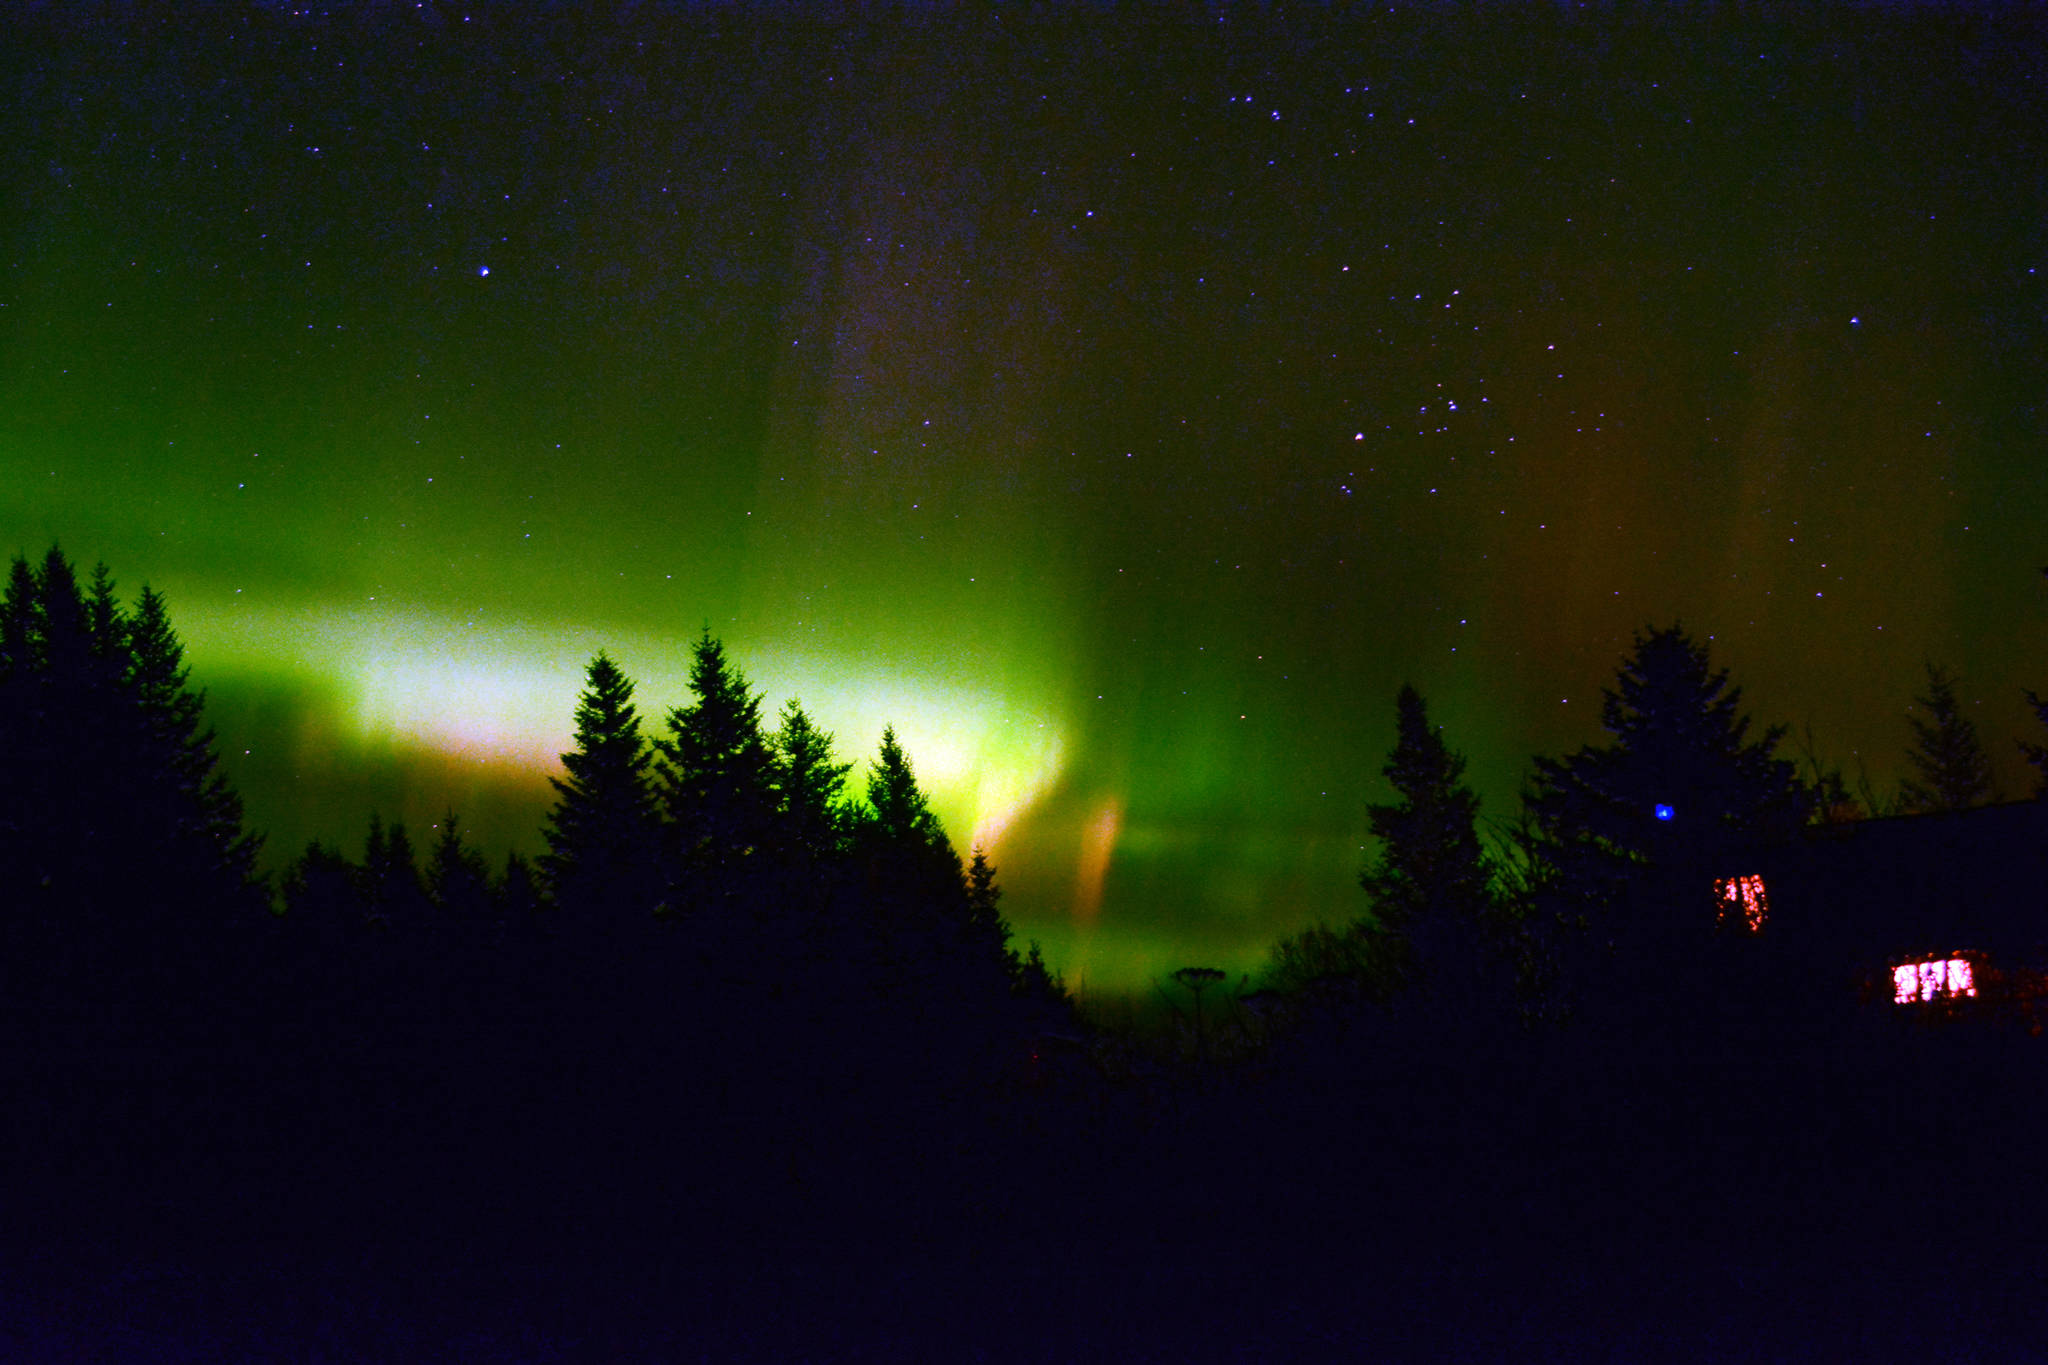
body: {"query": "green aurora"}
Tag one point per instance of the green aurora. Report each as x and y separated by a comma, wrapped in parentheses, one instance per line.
(1122, 410)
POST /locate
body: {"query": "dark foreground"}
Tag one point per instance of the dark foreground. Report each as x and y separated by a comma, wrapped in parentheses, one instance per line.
(1881, 1197)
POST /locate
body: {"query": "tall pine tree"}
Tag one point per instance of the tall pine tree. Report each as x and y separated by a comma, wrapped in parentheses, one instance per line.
(809, 785)
(201, 812)
(908, 857)
(393, 891)
(716, 781)
(123, 862)
(1429, 886)
(2037, 754)
(458, 882)
(603, 832)
(114, 798)
(1951, 769)
(1626, 838)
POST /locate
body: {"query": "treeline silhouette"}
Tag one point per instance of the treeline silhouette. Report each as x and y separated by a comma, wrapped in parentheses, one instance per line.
(735, 980)
(732, 993)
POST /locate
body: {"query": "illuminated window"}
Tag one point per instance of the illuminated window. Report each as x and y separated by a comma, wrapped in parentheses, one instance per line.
(1951, 977)
(1743, 896)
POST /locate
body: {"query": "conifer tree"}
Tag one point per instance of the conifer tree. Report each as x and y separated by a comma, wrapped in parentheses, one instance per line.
(1030, 978)
(809, 787)
(321, 886)
(17, 622)
(21, 733)
(984, 933)
(602, 833)
(111, 814)
(457, 881)
(66, 754)
(2037, 754)
(68, 648)
(900, 837)
(1040, 984)
(201, 811)
(983, 914)
(1952, 770)
(393, 892)
(898, 813)
(1428, 888)
(113, 795)
(517, 891)
(716, 781)
(1625, 838)
(941, 943)
(104, 626)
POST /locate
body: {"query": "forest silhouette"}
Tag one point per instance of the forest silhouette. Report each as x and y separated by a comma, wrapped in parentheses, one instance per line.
(734, 999)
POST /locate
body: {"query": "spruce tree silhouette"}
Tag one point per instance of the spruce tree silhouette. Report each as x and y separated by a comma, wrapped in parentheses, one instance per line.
(908, 857)
(820, 944)
(125, 863)
(1429, 888)
(1627, 837)
(1952, 770)
(899, 816)
(68, 758)
(2037, 754)
(23, 740)
(199, 809)
(393, 892)
(715, 779)
(603, 832)
(458, 883)
(985, 921)
(810, 790)
(517, 891)
(939, 948)
(320, 892)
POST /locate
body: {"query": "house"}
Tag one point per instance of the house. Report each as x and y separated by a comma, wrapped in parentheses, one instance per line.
(1942, 913)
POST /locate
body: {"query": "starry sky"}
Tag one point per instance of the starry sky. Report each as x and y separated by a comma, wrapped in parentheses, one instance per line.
(1124, 402)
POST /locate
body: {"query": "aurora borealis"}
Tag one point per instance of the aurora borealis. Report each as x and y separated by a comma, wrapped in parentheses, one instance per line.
(1123, 406)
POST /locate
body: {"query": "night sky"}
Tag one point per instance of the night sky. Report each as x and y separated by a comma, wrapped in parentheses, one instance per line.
(1123, 407)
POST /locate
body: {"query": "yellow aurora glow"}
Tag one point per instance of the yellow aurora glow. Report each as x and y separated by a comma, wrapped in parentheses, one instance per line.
(502, 693)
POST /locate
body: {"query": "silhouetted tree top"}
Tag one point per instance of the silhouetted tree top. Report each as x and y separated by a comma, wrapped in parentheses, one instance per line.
(716, 779)
(1952, 771)
(173, 716)
(1679, 778)
(60, 613)
(984, 896)
(457, 881)
(517, 891)
(810, 787)
(113, 783)
(1430, 861)
(2037, 754)
(323, 886)
(897, 807)
(602, 831)
(18, 621)
(391, 876)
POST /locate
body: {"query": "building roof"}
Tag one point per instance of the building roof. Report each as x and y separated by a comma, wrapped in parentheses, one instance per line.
(1975, 878)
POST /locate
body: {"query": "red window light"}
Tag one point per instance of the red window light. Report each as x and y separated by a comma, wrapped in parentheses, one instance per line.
(1743, 896)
